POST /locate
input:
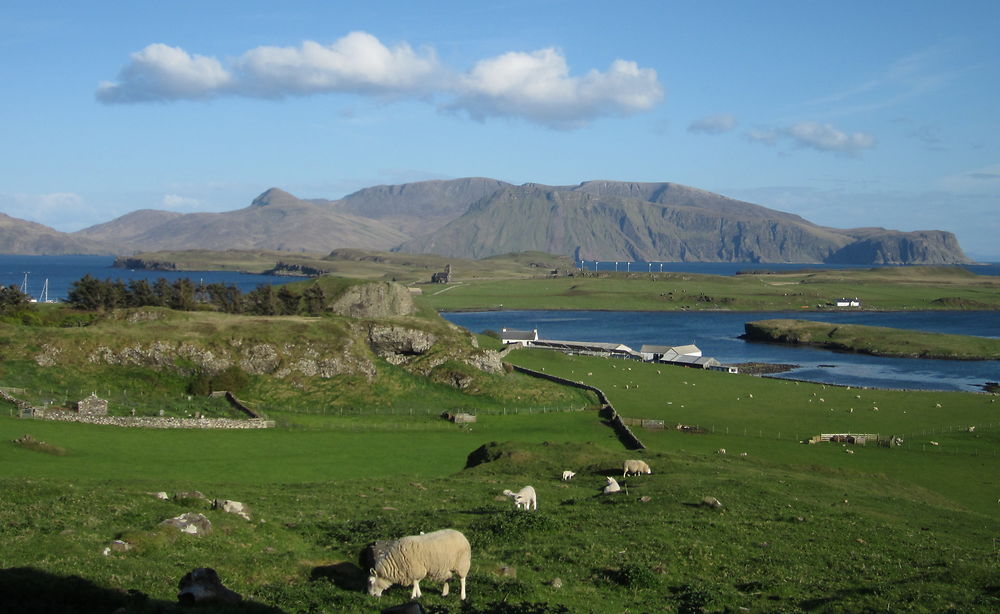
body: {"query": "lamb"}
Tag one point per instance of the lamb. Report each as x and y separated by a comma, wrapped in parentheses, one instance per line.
(721, 451)
(567, 475)
(612, 486)
(409, 560)
(525, 498)
(636, 467)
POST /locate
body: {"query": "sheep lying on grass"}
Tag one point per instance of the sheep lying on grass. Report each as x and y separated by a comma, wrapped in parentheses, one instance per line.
(524, 498)
(635, 467)
(612, 486)
(567, 475)
(409, 560)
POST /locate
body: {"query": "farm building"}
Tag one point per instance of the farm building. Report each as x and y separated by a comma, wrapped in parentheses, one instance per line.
(847, 302)
(666, 353)
(588, 348)
(520, 337)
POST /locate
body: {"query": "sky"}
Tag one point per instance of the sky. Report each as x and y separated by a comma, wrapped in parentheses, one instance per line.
(850, 114)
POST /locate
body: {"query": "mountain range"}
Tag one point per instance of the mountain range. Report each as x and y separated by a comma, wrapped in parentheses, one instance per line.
(478, 217)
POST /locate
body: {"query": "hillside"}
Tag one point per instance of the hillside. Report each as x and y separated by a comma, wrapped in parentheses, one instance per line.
(478, 217)
(23, 237)
(275, 220)
(665, 222)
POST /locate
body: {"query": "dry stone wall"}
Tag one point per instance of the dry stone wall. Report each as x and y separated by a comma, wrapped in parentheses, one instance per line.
(154, 422)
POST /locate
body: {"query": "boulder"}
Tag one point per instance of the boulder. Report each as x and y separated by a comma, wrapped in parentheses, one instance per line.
(191, 523)
(203, 586)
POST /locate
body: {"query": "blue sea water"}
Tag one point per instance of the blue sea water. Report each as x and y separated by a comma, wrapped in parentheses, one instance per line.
(716, 333)
(718, 336)
(62, 271)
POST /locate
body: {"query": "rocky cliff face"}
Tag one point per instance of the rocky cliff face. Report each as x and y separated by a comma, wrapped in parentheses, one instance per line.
(374, 300)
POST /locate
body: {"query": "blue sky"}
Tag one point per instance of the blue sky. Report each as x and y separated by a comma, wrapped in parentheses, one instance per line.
(848, 113)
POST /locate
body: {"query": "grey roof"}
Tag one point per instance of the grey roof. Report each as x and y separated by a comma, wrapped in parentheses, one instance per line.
(518, 335)
(655, 349)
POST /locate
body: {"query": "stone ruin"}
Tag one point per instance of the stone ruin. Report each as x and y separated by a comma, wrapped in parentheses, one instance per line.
(92, 406)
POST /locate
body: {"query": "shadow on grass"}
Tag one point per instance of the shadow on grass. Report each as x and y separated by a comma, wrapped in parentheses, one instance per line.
(31, 591)
(346, 576)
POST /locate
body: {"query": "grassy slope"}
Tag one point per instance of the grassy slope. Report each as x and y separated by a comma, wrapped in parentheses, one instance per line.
(366, 264)
(803, 528)
(876, 340)
(882, 289)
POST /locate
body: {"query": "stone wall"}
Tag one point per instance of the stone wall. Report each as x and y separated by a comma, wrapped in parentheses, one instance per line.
(625, 434)
(155, 422)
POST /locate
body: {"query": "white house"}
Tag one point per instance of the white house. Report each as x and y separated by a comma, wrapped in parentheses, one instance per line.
(519, 337)
(848, 302)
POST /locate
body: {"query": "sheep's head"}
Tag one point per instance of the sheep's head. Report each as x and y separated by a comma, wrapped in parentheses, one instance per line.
(376, 584)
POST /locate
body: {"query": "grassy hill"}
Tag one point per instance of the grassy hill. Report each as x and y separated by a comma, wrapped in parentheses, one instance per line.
(802, 528)
(875, 340)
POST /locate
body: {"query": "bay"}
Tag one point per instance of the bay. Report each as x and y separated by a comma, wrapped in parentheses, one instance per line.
(718, 335)
(62, 271)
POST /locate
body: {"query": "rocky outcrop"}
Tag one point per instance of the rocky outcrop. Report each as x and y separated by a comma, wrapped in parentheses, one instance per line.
(374, 300)
(894, 247)
(395, 344)
(191, 523)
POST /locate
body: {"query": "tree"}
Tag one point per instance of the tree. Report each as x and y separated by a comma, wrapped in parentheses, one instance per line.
(262, 301)
(289, 301)
(86, 293)
(12, 300)
(314, 300)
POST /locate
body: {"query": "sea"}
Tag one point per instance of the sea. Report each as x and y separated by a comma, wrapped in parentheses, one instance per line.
(716, 333)
(30, 273)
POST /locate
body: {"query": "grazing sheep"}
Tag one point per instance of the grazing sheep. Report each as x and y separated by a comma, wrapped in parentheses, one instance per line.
(635, 467)
(525, 498)
(743, 454)
(409, 560)
(720, 451)
(612, 486)
(972, 429)
(934, 443)
(567, 475)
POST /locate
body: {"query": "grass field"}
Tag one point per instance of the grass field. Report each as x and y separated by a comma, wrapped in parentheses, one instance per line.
(875, 340)
(903, 288)
(802, 528)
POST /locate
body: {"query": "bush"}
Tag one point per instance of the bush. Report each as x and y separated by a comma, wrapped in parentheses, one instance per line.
(233, 379)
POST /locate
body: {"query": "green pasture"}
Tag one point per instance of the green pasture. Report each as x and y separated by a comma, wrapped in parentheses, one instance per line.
(876, 340)
(781, 414)
(905, 288)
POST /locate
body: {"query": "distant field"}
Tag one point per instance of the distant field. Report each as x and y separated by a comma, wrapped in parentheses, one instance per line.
(904, 288)
(875, 340)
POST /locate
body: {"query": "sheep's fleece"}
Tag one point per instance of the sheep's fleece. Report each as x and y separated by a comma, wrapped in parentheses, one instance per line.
(636, 467)
(435, 556)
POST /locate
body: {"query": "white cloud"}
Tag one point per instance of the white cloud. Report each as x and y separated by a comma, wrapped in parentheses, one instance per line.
(824, 137)
(65, 211)
(356, 63)
(535, 86)
(761, 135)
(813, 135)
(713, 124)
(538, 86)
(161, 72)
(173, 202)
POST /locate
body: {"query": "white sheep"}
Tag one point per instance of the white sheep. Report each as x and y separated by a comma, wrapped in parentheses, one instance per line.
(409, 560)
(635, 467)
(611, 486)
(972, 429)
(721, 451)
(567, 475)
(524, 498)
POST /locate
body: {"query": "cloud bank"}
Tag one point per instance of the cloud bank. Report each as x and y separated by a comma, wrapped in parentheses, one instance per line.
(813, 135)
(713, 124)
(536, 86)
